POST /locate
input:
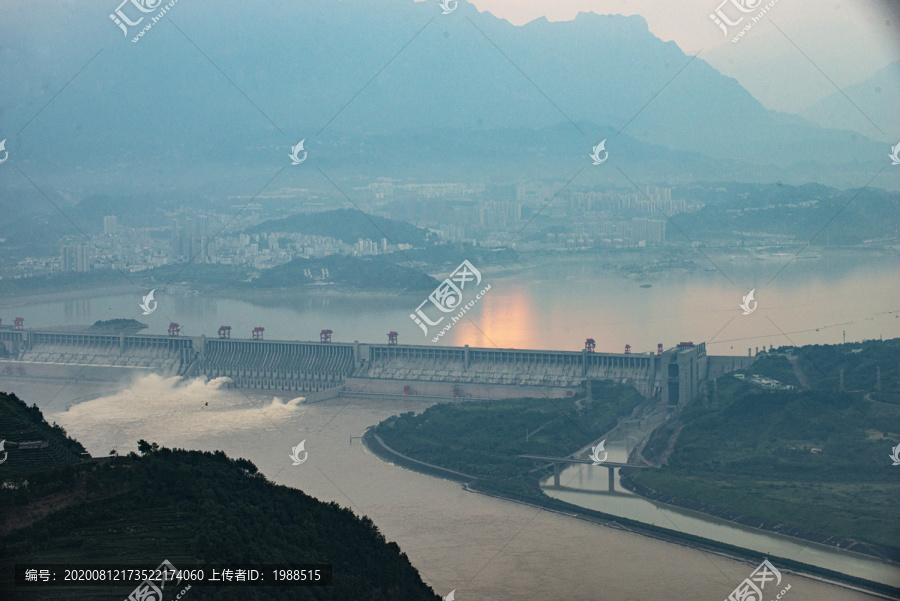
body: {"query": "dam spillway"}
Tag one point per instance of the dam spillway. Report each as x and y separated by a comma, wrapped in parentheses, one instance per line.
(42, 353)
(276, 365)
(673, 376)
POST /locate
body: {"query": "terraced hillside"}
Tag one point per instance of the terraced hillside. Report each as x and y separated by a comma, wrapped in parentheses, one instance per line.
(30, 443)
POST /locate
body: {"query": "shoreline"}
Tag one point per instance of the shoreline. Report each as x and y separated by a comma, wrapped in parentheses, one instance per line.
(26, 298)
(272, 297)
(869, 550)
(385, 453)
(606, 259)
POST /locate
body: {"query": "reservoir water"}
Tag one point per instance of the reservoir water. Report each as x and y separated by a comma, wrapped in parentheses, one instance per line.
(487, 548)
(556, 305)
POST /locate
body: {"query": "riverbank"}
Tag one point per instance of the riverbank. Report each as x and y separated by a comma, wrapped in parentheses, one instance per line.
(485, 547)
(843, 544)
(640, 264)
(21, 298)
(377, 447)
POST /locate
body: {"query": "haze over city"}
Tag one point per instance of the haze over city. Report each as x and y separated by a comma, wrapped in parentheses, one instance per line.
(436, 299)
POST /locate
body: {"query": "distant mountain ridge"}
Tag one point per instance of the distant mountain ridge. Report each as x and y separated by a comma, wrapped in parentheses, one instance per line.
(341, 75)
(875, 98)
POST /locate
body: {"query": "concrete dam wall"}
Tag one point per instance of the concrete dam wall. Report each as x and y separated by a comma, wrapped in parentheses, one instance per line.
(270, 365)
(92, 357)
(673, 376)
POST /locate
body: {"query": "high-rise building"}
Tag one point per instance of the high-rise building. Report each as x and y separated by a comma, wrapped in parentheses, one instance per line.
(82, 258)
(202, 225)
(650, 231)
(175, 240)
(201, 249)
(75, 257)
(110, 227)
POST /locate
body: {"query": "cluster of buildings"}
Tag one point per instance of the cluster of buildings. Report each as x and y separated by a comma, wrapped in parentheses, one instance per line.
(75, 257)
(479, 214)
(268, 249)
(635, 232)
(650, 200)
(192, 239)
(488, 214)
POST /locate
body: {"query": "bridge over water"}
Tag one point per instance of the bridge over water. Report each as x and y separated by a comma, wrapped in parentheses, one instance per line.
(611, 466)
(673, 376)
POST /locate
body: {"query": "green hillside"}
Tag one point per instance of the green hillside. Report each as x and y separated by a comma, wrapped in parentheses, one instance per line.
(861, 363)
(20, 423)
(797, 212)
(485, 438)
(188, 507)
(115, 326)
(815, 458)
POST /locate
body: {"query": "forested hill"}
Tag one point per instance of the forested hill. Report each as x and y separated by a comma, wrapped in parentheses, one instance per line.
(189, 507)
(754, 447)
(19, 424)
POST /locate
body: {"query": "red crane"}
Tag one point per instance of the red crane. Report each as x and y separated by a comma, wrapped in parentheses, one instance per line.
(224, 331)
(659, 349)
(590, 345)
(174, 329)
(19, 323)
(325, 336)
(627, 349)
(392, 337)
(258, 333)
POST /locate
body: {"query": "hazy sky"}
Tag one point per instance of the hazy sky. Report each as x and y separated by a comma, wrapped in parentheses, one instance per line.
(848, 40)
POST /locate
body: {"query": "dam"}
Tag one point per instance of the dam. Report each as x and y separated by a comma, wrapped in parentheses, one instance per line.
(673, 376)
